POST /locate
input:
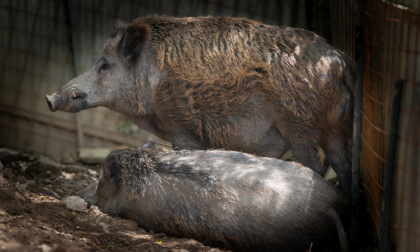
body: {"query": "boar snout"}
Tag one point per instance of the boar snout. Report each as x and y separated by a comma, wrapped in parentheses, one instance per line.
(67, 99)
(50, 102)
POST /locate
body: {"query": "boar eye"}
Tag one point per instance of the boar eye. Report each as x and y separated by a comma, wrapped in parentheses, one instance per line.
(104, 67)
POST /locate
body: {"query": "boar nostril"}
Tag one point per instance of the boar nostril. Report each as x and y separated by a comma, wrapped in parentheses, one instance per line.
(50, 103)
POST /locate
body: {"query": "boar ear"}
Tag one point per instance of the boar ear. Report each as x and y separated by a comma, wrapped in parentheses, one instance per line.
(131, 42)
(111, 171)
(119, 27)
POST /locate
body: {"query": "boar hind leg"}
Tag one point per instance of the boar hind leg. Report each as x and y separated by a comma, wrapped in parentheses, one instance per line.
(339, 157)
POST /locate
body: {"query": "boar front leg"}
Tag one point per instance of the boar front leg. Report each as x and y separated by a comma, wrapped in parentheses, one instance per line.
(338, 156)
(307, 155)
(183, 140)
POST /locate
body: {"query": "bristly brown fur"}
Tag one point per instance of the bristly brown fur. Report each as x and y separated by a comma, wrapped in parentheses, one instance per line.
(211, 49)
(209, 107)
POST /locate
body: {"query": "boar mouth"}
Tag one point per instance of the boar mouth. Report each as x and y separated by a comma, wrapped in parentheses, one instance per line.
(73, 95)
(75, 101)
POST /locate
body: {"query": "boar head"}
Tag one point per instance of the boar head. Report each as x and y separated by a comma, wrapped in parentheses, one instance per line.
(112, 80)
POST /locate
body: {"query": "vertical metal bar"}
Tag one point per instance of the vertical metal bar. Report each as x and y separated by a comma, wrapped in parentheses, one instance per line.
(294, 18)
(279, 12)
(357, 131)
(29, 47)
(12, 20)
(79, 131)
(411, 158)
(389, 170)
(236, 4)
(265, 11)
(70, 37)
(204, 7)
(308, 14)
(176, 5)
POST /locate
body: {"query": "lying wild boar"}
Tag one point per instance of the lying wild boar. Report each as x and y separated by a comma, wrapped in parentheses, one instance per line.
(231, 83)
(223, 198)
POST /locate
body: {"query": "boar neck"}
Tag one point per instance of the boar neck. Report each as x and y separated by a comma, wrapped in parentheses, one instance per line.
(148, 123)
(137, 102)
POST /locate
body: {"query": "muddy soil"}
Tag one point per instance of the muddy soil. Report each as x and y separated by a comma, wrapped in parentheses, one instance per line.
(33, 218)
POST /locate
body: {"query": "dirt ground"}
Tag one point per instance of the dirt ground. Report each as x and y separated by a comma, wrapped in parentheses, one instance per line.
(32, 217)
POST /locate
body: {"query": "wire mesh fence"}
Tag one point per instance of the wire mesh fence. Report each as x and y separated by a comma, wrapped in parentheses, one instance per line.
(392, 53)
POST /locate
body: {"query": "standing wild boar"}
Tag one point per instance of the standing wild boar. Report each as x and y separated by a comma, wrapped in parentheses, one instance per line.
(223, 198)
(231, 83)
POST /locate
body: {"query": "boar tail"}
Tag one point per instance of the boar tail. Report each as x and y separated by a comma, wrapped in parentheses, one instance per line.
(350, 73)
(342, 237)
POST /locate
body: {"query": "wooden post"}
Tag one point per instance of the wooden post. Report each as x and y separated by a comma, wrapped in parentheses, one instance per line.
(79, 129)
